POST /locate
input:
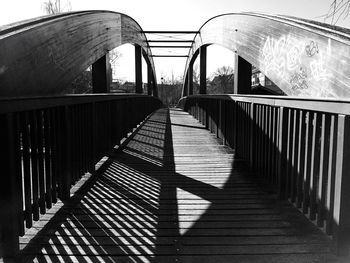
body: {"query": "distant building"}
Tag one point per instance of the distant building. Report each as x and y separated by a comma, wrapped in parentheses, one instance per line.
(263, 85)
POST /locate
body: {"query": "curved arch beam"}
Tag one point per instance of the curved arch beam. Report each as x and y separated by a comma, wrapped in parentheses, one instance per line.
(303, 58)
(43, 55)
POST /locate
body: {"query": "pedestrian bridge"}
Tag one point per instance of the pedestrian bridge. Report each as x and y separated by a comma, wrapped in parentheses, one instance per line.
(222, 178)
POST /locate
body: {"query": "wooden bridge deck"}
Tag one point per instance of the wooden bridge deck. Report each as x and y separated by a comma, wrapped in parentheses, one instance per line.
(174, 194)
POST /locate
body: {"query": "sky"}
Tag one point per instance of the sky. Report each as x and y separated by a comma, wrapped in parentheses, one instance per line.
(173, 15)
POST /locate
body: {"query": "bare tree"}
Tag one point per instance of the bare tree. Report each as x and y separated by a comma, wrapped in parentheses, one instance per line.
(337, 10)
(223, 78)
(52, 7)
(114, 55)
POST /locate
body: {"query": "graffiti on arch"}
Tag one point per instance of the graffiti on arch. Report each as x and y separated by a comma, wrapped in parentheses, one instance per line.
(297, 62)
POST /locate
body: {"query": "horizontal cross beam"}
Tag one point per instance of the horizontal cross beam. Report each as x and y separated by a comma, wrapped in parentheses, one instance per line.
(170, 32)
(171, 46)
(169, 41)
(169, 56)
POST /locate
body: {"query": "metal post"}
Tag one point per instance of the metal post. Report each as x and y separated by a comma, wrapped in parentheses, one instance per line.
(149, 80)
(203, 70)
(341, 213)
(155, 88)
(9, 187)
(190, 79)
(138, 69)
(242, 76)
(100, 75)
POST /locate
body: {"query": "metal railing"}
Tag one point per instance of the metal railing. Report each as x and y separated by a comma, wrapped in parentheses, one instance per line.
(298, 147)
(49, 143)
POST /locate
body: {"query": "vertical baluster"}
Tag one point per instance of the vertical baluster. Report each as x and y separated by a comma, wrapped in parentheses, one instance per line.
(66, 176)
(331, 175)
(34, 164)
(300, 159)
(26, 169)
(264, 150)
(322, 181)
(275, 145)
(53, 144)
(269, 145)
(307, 162)
(40, 126)
(294, 155)
(48, 172)
(314, 164)
(289, 153)
(252, 134)
(282, 160)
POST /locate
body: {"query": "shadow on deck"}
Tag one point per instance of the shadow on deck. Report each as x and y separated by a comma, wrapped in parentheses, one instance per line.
(174, 194)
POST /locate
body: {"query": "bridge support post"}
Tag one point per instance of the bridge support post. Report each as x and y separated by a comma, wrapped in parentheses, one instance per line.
(138, 69)
(150, 81)
(242, 76)
(341, 213)
(155, 89)
(100, 75)
(203, 70)
(190, 80)
(10, 189)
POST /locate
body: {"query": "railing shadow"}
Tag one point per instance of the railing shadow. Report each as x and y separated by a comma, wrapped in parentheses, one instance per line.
(129, 212)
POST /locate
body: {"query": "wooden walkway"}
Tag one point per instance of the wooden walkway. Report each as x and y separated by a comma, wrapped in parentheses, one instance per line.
(174, 194)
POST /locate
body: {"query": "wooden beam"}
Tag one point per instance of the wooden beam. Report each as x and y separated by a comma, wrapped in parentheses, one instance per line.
(138, 69)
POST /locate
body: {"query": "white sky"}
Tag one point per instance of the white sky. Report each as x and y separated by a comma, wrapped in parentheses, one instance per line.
(173, 15)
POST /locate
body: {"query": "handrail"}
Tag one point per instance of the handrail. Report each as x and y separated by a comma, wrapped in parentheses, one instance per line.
(48, 144)
(330, 105)
(303, 58)
(18, 104)
(300, 147)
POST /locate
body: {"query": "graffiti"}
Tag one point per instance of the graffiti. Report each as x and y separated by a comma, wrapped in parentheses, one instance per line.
(297, 62)
(298, 80)
(318, 69)
(281, 55)
(311, 49)
(294, 58)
